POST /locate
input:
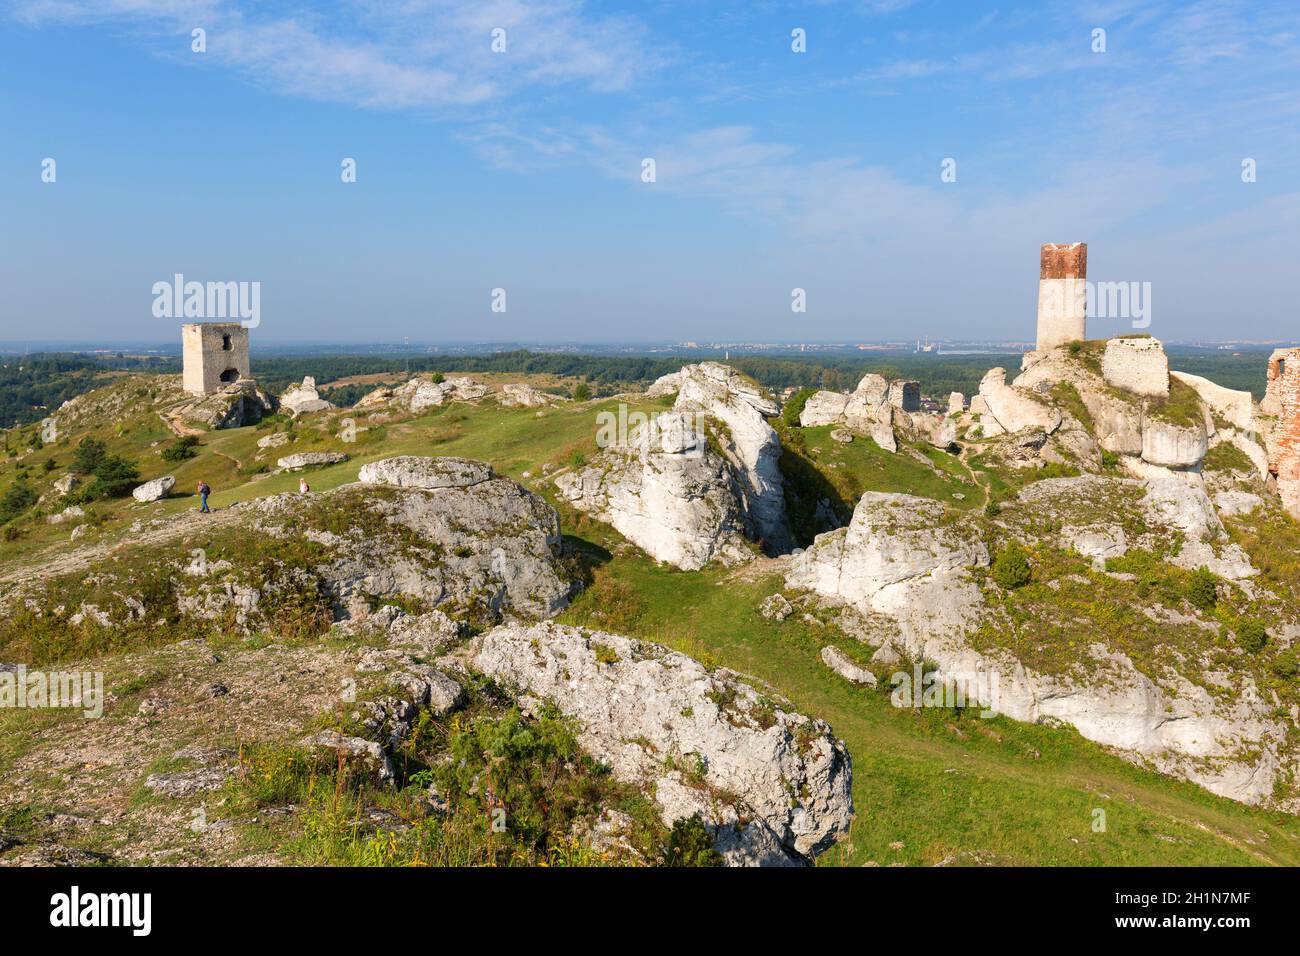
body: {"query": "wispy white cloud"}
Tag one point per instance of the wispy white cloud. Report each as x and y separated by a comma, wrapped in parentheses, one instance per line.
(412, 54)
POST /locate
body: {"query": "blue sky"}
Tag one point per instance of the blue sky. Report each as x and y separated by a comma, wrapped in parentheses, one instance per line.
(522, 170)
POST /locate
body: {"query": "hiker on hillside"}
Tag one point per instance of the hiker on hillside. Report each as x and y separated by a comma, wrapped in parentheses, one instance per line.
(303, 487)
(204, 491)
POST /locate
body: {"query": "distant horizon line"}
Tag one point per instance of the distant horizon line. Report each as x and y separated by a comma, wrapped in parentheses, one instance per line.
(19, 346)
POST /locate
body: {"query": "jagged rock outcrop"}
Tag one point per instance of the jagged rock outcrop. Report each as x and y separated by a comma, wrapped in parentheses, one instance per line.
(667, 492)
(304, 399)
(664, 385)
(892, 541)
(901, 559)
(873, 409)
(421, 394)
(823, 408)
(1236, 407)
(771, 785)
(238, 404)
(523, 395)
(746, 440)
(1006, 408)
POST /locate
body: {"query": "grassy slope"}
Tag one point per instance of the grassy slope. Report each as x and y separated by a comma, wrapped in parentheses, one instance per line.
(938, 783)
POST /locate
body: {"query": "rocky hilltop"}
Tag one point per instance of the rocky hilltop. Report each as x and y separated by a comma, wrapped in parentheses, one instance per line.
(526, 625)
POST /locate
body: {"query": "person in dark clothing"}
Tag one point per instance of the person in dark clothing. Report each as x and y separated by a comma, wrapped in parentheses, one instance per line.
(204, 491)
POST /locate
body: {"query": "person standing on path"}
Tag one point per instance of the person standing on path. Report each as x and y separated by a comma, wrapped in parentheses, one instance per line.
(204, 491)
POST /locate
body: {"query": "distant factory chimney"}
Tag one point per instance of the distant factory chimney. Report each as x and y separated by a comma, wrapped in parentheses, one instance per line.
(1062, 294)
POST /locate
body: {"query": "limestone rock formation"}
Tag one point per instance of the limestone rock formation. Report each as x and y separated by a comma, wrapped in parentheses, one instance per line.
(771, 785)
(523, 395)
(411, 471)
(823, 408)
(664, 385)
(236, 405)
(154, 490)
(303, 399)
(840, 663)
(746, 440)
(1005, 408)
(309, 459)
(892, 541)
(899, 558)
(667, 492)
(421, 394)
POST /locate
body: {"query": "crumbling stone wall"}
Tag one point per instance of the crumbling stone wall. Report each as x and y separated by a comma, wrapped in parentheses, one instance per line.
(1282, 399)
(905, 395)
(1138, 365)
(214, 355)
(1062, 294)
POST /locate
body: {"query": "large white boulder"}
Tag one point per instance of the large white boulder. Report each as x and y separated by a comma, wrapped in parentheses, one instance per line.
(667, 492)
(411, 471)
(154, 490)
(772, 785)
(1010, 408)
(823, 408)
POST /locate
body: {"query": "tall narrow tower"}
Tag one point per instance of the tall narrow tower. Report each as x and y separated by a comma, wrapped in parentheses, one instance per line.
(1062, 293)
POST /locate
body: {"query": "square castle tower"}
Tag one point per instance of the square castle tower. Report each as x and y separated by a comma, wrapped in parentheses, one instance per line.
(215, 355)
(1062, 294)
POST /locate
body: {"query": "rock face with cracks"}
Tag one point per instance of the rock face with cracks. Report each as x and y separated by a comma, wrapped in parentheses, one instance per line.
(746, 440)
(667, 492)
(771, 785)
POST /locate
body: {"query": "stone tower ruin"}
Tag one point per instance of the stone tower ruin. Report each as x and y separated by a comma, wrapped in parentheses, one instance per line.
(1062, 294)
(215, 355)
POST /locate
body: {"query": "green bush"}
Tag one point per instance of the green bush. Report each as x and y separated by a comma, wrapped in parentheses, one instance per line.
(1286, 665)
(89, 455)
(114, 478)
(794, 408)
(184, 447)
(1202, 590)
(689, 844)
(16, 500)
(1011, 567)
(581, 392)
(1251, 634)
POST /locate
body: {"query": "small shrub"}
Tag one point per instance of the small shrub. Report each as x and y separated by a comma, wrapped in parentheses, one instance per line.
(1202, 590)
(1251, 634)
(1011, 567)
(581, 392)
(689, 844)
(992, 509)
(16, 500)
(184, 447)
(794, 408)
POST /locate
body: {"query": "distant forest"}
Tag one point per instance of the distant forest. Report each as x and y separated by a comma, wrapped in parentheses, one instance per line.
(32, 387)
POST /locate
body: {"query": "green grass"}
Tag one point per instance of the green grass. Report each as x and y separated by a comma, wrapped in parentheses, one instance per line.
(939, 782)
